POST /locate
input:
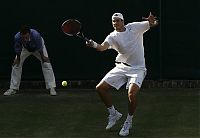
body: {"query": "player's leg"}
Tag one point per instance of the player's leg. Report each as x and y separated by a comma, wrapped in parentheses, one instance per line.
(132, 103)
(102, 89)
(134, 84)
(116, 80)
(114, 115)
(132, 100)
(47, 72)
(16, 73)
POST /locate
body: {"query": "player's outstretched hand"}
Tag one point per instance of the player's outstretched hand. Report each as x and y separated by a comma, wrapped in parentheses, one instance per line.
(152, 20)
(91, 43)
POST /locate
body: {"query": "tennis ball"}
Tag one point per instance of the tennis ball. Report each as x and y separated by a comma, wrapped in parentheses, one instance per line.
(64, 83)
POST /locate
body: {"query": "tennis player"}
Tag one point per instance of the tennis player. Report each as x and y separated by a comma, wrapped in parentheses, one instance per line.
(29, 42)
(130, 67)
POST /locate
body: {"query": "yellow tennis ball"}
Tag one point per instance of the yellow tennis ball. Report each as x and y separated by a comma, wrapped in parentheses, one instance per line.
(64, 83)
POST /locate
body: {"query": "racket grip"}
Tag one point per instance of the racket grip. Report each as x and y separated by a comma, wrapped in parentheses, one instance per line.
(86, 39)
(80, 35)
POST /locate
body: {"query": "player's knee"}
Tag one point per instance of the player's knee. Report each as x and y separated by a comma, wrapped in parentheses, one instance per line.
(46, 65)
(19, 66)
(132, 94)
(133, 89)
(102, 87)
(98, 88)
(132, 97)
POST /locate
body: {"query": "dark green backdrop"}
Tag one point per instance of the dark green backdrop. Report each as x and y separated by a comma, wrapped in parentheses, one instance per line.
(172, 49)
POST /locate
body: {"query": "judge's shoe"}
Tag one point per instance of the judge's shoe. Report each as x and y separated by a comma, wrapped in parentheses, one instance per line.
(9, 92)
(52, 92)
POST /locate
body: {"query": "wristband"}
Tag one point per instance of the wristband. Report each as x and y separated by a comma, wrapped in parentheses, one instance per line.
(94, 44)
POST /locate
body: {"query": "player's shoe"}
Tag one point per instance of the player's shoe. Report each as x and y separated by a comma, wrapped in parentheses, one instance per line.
(112, 119)
(9, 92)
(125, 129)
(52, 92)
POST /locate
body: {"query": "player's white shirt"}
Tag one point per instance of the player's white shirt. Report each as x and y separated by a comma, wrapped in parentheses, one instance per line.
(129, 44)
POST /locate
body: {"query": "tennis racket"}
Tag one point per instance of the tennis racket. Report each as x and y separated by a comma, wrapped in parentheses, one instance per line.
(72, 27)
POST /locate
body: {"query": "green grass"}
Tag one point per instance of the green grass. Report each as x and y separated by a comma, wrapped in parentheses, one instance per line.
(80, 114)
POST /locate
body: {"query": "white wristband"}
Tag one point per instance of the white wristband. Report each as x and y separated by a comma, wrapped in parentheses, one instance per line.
(94, 44)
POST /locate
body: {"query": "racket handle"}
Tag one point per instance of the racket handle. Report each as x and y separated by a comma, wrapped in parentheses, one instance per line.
(80, 35)
(86, 39)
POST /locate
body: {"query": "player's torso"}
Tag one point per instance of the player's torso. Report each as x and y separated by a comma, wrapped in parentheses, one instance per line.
(127, 41)
(31, 45)
(129, 45)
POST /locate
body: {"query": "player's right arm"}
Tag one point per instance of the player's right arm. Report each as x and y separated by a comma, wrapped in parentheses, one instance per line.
(99, 47)
(17, 48)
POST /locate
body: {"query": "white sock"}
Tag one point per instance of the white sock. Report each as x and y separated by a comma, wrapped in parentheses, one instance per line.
(129, 118)
(111, 110)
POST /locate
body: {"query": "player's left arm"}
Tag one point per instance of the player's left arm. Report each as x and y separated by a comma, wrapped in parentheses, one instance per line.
(151, 19)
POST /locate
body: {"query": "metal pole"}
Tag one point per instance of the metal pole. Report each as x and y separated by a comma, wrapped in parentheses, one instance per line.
(160, 41)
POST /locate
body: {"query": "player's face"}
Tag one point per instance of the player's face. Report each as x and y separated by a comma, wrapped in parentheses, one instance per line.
(25, 37)
(118, 24)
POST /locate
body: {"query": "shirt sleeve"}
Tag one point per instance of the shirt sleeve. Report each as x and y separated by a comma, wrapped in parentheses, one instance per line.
(110, 41)
(140, 26)
(38, 41)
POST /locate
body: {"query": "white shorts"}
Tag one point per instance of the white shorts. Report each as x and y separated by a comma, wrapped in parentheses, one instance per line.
(122, 74)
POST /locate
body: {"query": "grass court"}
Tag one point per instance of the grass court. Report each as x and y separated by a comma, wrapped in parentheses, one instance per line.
(79, 113)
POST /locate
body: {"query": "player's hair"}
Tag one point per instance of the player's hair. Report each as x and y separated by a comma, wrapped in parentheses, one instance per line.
(25, 29)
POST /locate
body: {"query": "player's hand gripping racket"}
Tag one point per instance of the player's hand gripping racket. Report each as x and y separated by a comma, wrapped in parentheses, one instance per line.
(72, 27)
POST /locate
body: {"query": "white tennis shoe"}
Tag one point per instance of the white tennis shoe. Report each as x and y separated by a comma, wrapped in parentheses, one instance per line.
(125, 129)
(9, 92)
(112, 119)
